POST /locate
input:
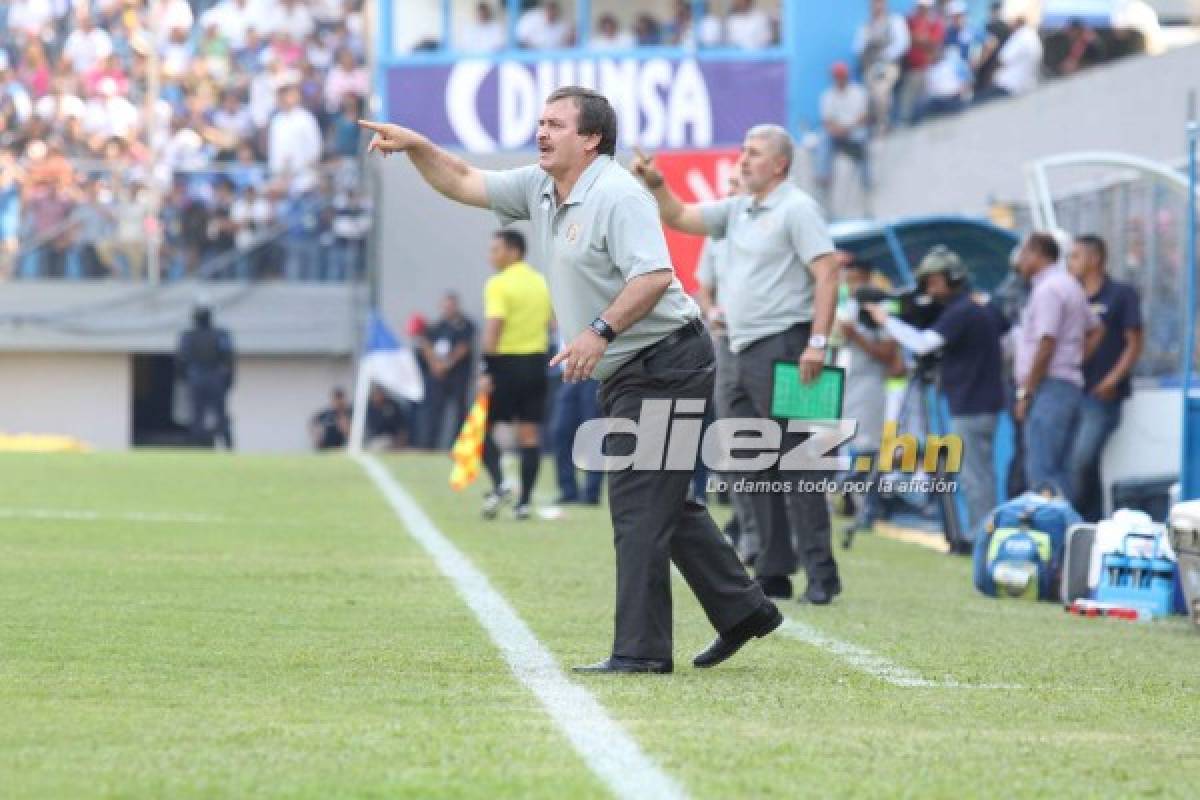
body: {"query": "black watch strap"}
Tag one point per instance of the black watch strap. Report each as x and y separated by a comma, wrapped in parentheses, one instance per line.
(603, 329)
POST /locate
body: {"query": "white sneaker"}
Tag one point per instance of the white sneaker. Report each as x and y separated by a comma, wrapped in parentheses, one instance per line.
(492, 501)
(522, 511)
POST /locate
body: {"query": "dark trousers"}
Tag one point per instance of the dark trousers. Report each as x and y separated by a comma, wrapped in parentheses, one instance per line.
(723, 394)
(575, 404)
(793, 526)
(444, 398)
(1098, 419)
(654, 525)
(207, 395)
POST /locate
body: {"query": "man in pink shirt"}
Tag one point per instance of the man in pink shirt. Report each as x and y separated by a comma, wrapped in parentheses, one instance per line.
(1058, 329)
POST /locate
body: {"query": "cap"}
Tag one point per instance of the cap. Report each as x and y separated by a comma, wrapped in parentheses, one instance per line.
(942, 259)
(840, 70)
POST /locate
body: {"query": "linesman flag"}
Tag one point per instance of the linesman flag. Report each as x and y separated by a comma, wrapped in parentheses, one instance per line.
(468, 447)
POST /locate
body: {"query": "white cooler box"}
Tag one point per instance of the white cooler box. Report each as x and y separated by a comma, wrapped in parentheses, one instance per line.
(1185, 540)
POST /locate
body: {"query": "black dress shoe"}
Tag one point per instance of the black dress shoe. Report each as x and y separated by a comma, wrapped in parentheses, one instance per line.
(775, 585)
(762, 621)
(822, 593)
(620, 664)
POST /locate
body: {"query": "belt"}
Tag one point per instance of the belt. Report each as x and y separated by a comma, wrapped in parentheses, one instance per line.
(693, 327)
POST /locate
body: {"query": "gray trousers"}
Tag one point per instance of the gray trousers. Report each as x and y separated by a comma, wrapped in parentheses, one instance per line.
(653, 523)
(793, 527)
(723, 394)
(978, 475)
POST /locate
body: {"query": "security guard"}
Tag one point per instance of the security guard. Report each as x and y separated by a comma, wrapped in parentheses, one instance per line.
(628, 323)
(205, 360)
(516, 305)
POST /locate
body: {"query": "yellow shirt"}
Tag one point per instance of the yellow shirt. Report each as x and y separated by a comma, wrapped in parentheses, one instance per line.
(518, 295)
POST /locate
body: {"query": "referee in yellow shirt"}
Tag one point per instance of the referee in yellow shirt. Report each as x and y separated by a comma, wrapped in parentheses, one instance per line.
(516, 305)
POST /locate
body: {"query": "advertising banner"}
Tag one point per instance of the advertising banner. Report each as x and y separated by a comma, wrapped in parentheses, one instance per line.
(482, 106)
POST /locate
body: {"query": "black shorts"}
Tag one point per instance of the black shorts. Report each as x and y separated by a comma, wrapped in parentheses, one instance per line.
(520, 388)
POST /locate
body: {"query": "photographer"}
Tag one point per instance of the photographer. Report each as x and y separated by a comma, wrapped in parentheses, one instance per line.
(871, 357)
(967, 336)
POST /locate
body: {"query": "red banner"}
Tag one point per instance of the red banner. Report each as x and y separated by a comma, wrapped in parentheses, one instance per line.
(695, 176)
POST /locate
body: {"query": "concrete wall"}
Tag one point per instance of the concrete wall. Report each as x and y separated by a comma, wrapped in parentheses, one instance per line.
(276, 396)
(85, 395)
(89, 396)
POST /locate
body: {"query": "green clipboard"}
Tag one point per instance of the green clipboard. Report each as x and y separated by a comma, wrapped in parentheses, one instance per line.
(821, 399)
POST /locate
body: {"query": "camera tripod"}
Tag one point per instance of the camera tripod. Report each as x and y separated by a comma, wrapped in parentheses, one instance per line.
(931, 422)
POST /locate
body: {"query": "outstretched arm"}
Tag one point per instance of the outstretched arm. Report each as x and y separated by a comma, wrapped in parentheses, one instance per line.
(446, 173)
(680, 216)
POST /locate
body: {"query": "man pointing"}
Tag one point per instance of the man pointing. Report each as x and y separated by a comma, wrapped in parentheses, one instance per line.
(627, 323)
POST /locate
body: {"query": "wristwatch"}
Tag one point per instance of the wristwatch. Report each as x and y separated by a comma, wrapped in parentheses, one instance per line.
(603, 329)
(1022, 393)
(819, 341)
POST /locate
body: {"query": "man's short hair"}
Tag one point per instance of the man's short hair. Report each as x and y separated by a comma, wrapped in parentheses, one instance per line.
(779, 138)
(514, 240)
(1046, 244)
(1096, 245)
(596, 115)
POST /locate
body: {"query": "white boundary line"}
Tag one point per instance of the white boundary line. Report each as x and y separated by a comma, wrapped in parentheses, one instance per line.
(116, 516)
(603, 744)
(874, 664)
(860, 658)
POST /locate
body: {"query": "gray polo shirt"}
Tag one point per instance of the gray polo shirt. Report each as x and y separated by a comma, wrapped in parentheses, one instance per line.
(708, 265)
(765, 283)
(605, 234)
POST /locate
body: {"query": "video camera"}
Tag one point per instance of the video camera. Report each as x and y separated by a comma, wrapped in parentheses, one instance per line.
(910, 305)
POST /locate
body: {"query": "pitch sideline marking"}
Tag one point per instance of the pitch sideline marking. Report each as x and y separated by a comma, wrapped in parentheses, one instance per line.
(603, 744)
(99, 516)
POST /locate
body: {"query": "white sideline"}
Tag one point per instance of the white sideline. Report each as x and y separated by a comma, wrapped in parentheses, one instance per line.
(602, 743)
(118, 516)
(860, 658)
(876, 665)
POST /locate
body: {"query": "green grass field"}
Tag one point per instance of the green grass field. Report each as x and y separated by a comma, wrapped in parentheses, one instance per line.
(193, 625)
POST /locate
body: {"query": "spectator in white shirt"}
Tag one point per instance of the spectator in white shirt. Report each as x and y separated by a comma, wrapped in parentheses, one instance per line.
(844, 115)
(87, 45)
(748, 27)
(294, 19)
(609, 36)
(232, 18)
(177, 16)
(233, 120)
(1018, 64)
(109, 114)
(293, 139)
(947, 83)
(709, 33)
(61, 103)
(485, 35)
(30, 17)
(544, 28)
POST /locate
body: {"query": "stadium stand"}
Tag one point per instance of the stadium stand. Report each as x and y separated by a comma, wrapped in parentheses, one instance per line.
(224, 132)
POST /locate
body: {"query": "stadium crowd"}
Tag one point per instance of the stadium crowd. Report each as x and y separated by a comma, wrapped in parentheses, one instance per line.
(543, 25)
(226, 132)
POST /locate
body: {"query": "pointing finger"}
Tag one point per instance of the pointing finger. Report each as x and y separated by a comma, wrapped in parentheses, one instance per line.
(378, 127)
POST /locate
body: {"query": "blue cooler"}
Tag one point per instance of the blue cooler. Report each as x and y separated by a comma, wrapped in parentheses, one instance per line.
(1138, 576)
